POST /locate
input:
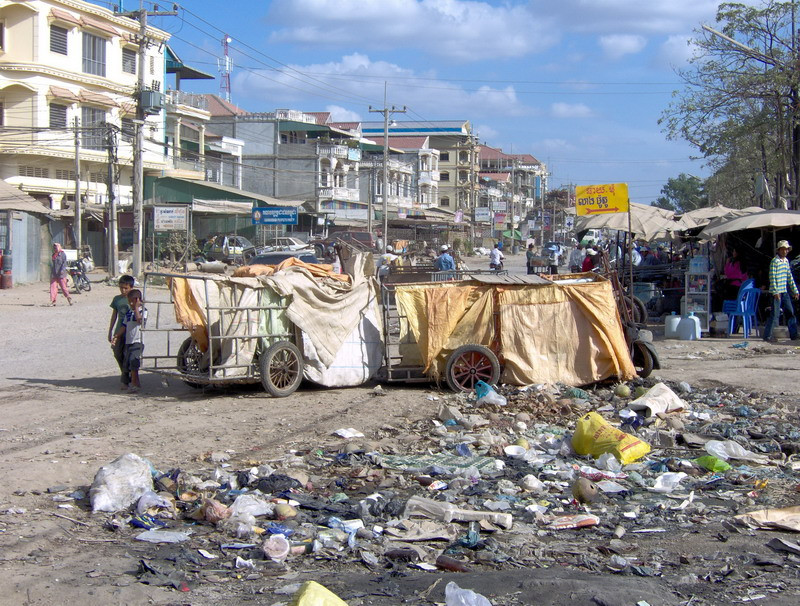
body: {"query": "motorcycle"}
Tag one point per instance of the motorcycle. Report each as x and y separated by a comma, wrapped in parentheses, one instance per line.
(496, 266)
(77, 271)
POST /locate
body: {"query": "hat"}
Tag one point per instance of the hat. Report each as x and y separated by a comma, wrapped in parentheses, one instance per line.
(443, 247)
(389, 249)
(783, 244)
(591, 252)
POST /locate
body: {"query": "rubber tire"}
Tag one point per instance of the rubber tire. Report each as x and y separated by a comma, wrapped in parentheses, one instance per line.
(642, 358)
(85, 284)
(183, 367)
(487, 353)
(319, 251)
(266, 360)
(638, 308)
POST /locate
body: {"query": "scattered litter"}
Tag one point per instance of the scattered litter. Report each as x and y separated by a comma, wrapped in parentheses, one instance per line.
(163, 536)
(348, 433)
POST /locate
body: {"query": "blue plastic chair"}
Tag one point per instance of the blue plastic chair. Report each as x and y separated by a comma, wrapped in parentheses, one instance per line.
(746, 306)
(729, 307)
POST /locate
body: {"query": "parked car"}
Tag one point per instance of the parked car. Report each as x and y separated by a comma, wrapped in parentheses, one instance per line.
(229, 249)
(273, 258)
(284, 243)
(359, 239)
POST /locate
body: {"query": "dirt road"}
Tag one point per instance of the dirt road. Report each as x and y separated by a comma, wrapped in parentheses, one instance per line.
(63, 416)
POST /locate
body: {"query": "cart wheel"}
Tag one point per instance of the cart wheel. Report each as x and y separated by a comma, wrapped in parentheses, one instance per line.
(638, 308)
(189, 357)
(469, 364)
(642, 359)
(281, 369)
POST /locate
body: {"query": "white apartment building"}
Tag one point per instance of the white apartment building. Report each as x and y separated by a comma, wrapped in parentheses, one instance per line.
(67, 63)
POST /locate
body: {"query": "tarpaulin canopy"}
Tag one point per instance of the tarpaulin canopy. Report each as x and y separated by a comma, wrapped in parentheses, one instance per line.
(222, 207)
(514, 235)
(647, 222)
(700, 217)
(776, 218)
(569, 333)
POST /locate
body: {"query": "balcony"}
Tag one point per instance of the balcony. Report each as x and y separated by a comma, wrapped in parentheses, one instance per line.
(344, 194)
(339, 151)
(179, 97)
(428, 177)
(394, 165)
(185, 168)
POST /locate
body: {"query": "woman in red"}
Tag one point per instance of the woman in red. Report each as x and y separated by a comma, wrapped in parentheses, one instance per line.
(589, 261)
(734, 274)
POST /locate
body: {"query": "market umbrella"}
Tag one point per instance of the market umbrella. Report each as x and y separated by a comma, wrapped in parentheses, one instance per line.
(646, 221)
(776, 218)
(700, 217)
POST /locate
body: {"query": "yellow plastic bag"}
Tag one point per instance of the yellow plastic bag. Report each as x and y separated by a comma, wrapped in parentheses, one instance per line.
(314, 594)
(594, 436)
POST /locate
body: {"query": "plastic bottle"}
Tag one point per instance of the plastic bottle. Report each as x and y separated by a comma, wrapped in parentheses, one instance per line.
(671, 326)
(696, 320)
(687, 331)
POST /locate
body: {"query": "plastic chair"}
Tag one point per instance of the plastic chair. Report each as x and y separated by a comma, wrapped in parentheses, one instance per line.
(746, 306)
(730, 306)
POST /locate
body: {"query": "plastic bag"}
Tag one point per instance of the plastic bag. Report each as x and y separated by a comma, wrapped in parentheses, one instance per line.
(733, 450)
(487, 395)
(312, 593)
(455, 596)
(151, 501)
(119, 484)
(594, 436)
(252, 505)
(668, 481)
(712, 464)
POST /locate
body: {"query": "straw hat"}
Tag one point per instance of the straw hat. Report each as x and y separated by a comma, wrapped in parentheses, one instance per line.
(784, 244)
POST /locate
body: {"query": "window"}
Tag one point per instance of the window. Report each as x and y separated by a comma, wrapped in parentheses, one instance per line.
(445, 176)
(444, 157)
(34, 171)
(152, 65)
(444, 201)
(2, 35)
(128, 129)
(2, 114)
(97, 177)
(94, 55)
(128, 61)
(58, 40)
(58, 116)
(93, 121)
(65, 175)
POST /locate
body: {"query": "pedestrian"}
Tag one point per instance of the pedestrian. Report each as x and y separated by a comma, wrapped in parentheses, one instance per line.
(576, 258)
(58, 275)
(385, 261)
(734, 275)
(131, 333)
(589, 260)
(445, 261)
(119, 305)
(530, 255)
(780, 283)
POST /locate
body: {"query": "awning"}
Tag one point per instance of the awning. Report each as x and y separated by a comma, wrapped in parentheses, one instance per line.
(64, 16)
(99, 25)
(222, 207)
(176, 66)
(514, 235)
(200, 186)
(97, 99)
(64, 94)
(12, 198)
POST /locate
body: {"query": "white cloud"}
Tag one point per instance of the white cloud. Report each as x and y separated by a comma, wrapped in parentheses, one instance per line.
(485, 132)
(676, 50)
(616, 46)
(570, 110)
(356, 82)
(464, 30)
(340, 114)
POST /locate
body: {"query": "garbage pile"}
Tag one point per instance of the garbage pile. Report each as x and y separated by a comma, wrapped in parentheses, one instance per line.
(535, 477)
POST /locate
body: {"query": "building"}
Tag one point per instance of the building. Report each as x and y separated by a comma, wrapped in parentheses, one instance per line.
(68, 74)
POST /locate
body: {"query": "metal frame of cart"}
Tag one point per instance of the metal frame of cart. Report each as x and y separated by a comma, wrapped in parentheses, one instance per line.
(276, 363)
(468, 363)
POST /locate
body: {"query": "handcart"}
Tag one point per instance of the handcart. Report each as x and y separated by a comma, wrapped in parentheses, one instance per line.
(482, 326)
(243, 341)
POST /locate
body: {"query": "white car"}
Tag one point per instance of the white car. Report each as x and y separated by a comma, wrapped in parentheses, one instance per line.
(283, 243)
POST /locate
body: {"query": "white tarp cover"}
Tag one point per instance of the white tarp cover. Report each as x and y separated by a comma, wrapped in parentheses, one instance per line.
(222, 207)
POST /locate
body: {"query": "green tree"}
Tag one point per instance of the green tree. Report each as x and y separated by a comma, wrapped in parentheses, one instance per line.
(739, 105)
(682, 194)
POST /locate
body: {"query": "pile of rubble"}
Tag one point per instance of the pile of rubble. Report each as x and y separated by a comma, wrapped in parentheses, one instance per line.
(534, 477)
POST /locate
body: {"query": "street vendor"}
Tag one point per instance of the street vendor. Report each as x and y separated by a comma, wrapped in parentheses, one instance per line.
(781, 283)
(591, 260)
(734, 275)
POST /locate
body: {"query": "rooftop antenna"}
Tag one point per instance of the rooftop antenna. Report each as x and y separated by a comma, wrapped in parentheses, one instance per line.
(225, 66)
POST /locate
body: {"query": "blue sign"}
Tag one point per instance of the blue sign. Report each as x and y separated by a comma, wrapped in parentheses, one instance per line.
(274, 215)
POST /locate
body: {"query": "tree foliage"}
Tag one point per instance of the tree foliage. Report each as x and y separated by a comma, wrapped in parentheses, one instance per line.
(737, 107)
(682, 194)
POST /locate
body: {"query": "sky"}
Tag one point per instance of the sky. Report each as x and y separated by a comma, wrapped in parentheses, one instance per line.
(579, 84)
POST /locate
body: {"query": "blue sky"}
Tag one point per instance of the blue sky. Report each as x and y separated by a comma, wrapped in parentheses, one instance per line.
(580, 84)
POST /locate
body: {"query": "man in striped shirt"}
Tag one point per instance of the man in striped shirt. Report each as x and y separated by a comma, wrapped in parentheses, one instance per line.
(780, 283)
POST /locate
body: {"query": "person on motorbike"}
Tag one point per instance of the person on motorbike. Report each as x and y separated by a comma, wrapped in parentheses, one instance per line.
(496, 258)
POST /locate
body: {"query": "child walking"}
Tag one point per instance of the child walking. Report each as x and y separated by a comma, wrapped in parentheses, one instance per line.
(131, 332)
(120, 306)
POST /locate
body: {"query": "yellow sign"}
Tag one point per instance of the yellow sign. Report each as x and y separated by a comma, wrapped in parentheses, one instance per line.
(601, 199)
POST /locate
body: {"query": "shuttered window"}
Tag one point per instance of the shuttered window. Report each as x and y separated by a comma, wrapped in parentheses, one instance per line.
(128, 61)
(58, 116)
(58, 40)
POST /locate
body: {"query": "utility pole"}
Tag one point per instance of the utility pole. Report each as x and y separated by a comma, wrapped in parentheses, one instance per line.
(386, 111)
(113, 232)
(78, 210)
(138, 142)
